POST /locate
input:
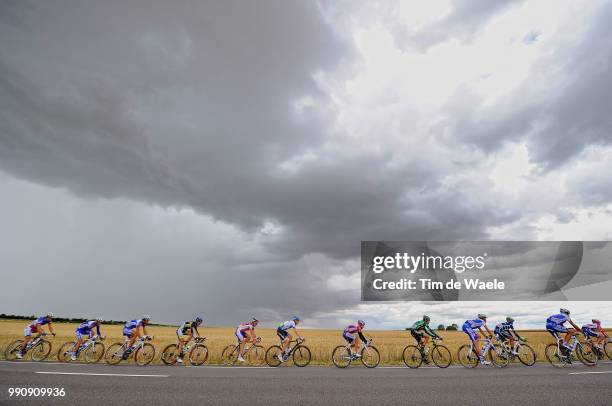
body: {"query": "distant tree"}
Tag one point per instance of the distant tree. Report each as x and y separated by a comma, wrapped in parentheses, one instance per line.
(452, 327)
(441, 327)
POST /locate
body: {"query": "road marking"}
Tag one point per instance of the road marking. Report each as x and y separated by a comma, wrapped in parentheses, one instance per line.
(590, 372)
(94, 374)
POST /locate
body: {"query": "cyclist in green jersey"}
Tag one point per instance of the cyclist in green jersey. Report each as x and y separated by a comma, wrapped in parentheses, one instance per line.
(421, 332)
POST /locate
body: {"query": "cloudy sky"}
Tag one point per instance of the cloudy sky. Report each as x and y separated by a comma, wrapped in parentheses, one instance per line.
(227, 158)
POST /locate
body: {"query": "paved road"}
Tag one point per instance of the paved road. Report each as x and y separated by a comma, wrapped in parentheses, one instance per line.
(160, 385)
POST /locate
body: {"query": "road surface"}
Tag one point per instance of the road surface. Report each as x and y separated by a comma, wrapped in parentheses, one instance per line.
(209, 385)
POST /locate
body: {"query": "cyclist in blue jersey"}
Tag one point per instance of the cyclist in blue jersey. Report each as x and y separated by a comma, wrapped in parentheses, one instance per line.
(35, 327)
(133, 330)
(469, 328)
(285, 336)
(555, 325)
(83, 331)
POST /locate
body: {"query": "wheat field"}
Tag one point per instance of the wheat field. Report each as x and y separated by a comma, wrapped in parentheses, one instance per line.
(390, 343)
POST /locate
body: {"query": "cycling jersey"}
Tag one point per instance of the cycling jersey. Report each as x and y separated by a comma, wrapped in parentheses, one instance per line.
(33, 326)
(469, 326)
(188, 327)
(286, 325)
(132, 325)
(352, 329)
(591, 330)
(242, 329)
(556, 323)
(349, 333)
(504, 330)
(87, 327)
(422, 326)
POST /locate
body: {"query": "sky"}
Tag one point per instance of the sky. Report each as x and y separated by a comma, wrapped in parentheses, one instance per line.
(226, 159)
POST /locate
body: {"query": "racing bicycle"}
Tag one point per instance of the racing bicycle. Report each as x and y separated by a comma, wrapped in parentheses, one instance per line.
(559, 356)
(521, 351)
(254, 354)
(142, 352)
(415, 355)
(298, 352)
(197, 353)
(39, 349)
(468, 357)
(92, 348)
(342, 356)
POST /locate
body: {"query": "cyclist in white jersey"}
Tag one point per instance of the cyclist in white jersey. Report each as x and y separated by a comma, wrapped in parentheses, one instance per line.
(283, 332)
(246, 333)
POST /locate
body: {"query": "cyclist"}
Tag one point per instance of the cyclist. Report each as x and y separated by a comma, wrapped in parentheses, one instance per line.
(555, 325)
(244, 330)
(285, 336)
(595, 331)
(349, 336)
(421, 332)
(505, 332)
(85, 329)
(133, 330)
(36, 327)
(185, 334)
(478, 323)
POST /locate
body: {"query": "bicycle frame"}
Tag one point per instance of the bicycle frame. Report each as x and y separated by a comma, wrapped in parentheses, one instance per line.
(35, 342)
(292, 348)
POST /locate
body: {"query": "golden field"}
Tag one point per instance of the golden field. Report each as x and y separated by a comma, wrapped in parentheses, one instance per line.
(390, 343)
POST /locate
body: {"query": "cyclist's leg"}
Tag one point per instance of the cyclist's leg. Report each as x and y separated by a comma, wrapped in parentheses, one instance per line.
(473, 337)
(27, 337)
(350, 339)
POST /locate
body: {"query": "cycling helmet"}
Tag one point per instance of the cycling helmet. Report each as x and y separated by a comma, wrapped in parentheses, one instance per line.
(565, 311)
(50, 314)
(295, 318)
(361, 323)
(199, 319)
(509, 319)
(596, 321)
(254, 321)
(426, 318)
(482, 316)
(146, 317)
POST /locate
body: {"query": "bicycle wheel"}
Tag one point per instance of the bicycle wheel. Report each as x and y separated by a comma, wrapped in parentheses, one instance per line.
(412, 356)
(272, 356)
(552, 355)
(41, 351)
(526, 355)
(94, 353)
(229, 355)
(370, 357)
(467, 358)
(499, 357)
(169, 354)
(341, 357)
(441, 356)
(10, 354)
(65, 351)
(198, 355)
(114, 353)
(301, 356)
(144, 355)
(256, 356)
(608, 349)
(586, 355)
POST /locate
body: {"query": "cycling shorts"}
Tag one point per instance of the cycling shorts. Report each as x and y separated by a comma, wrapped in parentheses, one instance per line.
(184, 335)
(348, 337)
(240, 335)
(281, 333)
(502, 334)
(417, 335)
(27, 332)
(557, 328)
(80, 334)
(128, 332)
(590, 333)
(470, 332)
